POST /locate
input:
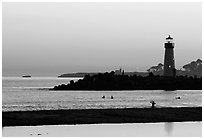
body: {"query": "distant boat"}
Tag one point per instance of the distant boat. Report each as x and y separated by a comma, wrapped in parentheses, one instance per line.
(26, 76)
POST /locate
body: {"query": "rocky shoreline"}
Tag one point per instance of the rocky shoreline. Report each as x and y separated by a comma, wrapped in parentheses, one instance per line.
(112, 81)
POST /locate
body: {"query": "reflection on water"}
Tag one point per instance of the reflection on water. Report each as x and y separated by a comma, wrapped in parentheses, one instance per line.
(176, 129)
(169, 128)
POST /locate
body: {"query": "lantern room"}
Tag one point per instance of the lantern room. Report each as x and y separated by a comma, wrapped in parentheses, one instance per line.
(169, 39)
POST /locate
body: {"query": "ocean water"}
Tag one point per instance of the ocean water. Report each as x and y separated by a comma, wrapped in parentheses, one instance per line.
(22, 94)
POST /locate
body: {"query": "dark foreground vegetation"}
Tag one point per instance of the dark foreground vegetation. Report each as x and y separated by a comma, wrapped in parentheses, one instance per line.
(95, 116)
(111, 81)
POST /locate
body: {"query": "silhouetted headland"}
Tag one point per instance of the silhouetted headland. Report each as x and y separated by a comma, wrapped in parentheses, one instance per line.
(78, 74)
(112, 81)
(82, 74)
(95, 116)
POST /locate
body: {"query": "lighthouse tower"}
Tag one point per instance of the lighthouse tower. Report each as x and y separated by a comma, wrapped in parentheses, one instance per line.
(169, 66)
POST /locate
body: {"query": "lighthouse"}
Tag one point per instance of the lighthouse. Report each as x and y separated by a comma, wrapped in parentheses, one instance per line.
(169, 62)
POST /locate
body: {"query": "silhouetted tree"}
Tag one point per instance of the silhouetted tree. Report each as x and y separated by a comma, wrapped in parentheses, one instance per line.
(151, 74)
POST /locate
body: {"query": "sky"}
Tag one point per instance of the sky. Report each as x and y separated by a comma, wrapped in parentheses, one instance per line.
(49, 39)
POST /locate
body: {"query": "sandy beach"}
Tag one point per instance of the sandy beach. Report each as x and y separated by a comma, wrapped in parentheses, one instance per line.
(96, 116)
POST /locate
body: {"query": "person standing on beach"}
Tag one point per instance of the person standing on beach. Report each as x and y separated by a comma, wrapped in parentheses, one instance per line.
(153, 104)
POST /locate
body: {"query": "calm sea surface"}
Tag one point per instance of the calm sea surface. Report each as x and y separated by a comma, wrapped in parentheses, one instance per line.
(33, 94)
